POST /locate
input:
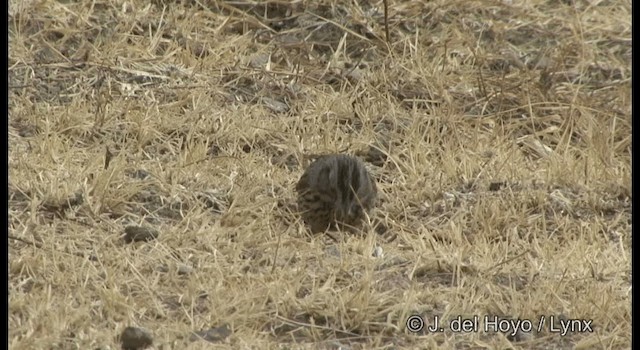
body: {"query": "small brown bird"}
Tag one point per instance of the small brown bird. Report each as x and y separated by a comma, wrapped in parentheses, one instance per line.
(335, 190)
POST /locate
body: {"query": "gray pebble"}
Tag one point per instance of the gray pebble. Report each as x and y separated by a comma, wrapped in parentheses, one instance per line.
(212, 335)
(133, 338)
(139, 234)
(184, 269)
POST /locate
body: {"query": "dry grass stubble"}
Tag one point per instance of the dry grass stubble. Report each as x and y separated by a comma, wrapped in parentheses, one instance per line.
(499, 135)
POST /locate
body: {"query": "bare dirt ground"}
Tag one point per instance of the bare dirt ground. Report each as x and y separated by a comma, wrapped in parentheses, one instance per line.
(154, 148)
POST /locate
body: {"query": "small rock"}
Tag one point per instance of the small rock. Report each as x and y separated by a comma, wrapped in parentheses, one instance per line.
(275, 105)
(139, 234)
(212, 335)
(140, 174)
(375, 156)
(213, 199)
(184, 270)
(162, 268)
(259, 60)
(133, 338)
(288, 161)
(495, 186)
(377, 252)
(65, 204)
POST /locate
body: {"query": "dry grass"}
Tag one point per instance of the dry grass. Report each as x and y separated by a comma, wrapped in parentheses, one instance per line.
(499, 133)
